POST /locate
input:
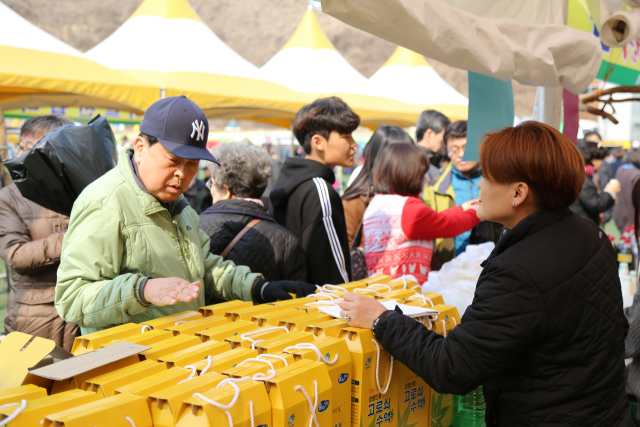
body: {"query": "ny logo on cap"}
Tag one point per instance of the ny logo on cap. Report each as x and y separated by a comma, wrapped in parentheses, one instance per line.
(198, 128)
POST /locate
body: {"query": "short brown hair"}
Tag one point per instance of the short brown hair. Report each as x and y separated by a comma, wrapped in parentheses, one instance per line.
(400, 170)
(322, 117)
(538, 155)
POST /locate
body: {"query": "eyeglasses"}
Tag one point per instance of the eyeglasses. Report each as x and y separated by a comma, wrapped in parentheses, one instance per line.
(455, 150)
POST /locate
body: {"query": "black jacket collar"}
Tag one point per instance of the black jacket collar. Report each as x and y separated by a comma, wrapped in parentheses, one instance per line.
(240, 207)
(527, 227)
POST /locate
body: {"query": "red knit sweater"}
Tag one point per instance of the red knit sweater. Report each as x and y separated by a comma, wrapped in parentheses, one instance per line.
(421, 222)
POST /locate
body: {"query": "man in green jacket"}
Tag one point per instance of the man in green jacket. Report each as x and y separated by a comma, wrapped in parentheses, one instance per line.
(134, 251)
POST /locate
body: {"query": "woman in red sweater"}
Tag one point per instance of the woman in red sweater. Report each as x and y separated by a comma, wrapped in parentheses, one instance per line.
(398, 228)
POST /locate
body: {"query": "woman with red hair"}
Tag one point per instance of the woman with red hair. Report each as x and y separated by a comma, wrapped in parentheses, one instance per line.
(544, 335)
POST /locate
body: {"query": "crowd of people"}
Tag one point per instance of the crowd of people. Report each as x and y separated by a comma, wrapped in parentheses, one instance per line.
(545, 334)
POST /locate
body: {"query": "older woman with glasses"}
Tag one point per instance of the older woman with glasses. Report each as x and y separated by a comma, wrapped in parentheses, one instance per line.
(544, 335)
(239, 226)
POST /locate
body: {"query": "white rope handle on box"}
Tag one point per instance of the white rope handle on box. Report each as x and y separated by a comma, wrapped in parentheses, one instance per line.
(424, 298)
(416, 286)
(334, 288)
(323, 294)
(404, 278)
(257, 331)
(366, 290)
(230, 405)
(313, 407)
(335, 302)
(274, 356)
(144, 329)
(260, 376)
(194, 371)
(389, 288)
(130, 421)
(444, 326)
(309, 346)
(11, 417)
(386, 389)
(180, 322)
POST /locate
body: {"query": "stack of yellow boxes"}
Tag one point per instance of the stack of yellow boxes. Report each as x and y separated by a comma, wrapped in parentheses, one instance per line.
(280, 364)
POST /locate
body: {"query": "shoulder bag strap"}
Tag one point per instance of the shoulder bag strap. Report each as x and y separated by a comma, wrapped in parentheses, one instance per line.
(357, 239)
(238, 237)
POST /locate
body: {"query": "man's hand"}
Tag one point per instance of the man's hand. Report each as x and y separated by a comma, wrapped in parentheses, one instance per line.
(273, 291)
(169, 291)
(360, 310)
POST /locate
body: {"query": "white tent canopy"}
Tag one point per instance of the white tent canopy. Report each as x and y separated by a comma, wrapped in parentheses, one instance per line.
(408, 77)
(169, 36)
(310, 63)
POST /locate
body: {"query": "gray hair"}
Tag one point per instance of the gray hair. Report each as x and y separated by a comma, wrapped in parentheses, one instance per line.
(244, 169)
(46, 124)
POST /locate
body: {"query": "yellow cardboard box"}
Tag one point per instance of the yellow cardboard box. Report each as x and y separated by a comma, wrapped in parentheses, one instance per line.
(414, 397)
(91, 342)
(429, 299)
(166, 403)
(334, 352)
(190, 328)
(17, 394)
(399, 295)
(220, 333)
(222, 361)
(146, 338)
(172, 320)
(155, 382)
(252, 407)
(442, 409)
(298, 324)
(251, 338)
(277, 344)
(329, 328)
(293, 392)
(294, 303)
(260, 364)
(246, 313)
(169, 346)
(35, 411)
(122, 410)
(220, 309)
(194, 354)
(374, 390)
(266, 320)
(105, 385)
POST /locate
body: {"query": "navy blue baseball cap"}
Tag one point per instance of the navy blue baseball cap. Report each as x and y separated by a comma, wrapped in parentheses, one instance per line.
(180, 126)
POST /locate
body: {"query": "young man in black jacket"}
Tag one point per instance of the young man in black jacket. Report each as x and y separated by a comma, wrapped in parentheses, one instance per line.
(303, 199)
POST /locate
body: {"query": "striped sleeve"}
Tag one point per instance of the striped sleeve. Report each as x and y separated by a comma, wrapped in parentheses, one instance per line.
(325, 203)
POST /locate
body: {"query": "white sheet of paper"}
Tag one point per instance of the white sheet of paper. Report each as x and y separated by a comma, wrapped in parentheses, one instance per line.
(408, 310)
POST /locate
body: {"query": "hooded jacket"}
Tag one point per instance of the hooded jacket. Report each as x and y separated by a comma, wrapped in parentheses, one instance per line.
(304, 201)
(544, 334)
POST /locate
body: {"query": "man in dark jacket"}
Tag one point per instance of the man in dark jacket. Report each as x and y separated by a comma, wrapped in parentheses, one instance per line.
(30, 243)
(303, 199)
(236, 186)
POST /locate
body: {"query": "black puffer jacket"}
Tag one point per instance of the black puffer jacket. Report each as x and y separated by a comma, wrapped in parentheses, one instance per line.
(544, 335)
(590, 203)
(267, 248)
